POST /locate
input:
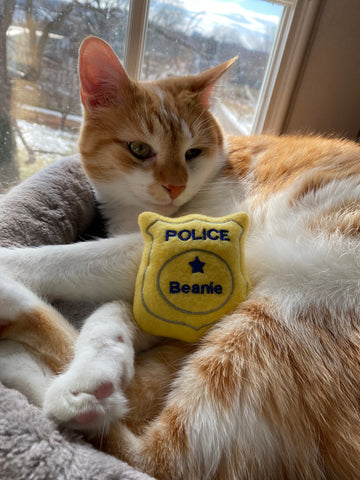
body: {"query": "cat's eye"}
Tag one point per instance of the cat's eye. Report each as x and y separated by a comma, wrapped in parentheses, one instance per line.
(192, 153)
(140, 150)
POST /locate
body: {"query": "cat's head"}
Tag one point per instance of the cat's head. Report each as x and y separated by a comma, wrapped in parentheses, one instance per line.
(151, 144)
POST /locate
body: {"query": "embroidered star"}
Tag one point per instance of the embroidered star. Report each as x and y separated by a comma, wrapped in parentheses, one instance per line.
(197, 265)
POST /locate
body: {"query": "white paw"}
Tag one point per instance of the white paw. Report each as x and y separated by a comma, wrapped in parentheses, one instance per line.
(90, 397)
(85, 405)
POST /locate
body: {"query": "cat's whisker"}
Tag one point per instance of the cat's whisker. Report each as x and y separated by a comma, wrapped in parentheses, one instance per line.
(202, 125)
(102, 433)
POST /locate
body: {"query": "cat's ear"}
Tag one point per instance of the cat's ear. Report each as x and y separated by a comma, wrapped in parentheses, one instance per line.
(205, 82)
(103, 80)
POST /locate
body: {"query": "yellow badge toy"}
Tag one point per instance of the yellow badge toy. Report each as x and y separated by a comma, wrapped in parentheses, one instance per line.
(192, 273)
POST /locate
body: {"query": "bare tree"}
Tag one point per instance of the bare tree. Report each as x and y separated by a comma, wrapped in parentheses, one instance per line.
(39, 35)
(7, 166)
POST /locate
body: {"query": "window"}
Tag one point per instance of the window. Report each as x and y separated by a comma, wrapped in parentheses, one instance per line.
(40, 112)
(187, 36)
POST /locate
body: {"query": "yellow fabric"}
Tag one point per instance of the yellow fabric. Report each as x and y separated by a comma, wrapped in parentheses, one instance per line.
(192, 273)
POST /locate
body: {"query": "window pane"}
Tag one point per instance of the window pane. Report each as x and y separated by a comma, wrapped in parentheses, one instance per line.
(40, 108)
(187, 36)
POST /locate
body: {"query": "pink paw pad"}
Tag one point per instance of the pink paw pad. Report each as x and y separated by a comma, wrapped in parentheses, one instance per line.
(104, 390)
(86, 417)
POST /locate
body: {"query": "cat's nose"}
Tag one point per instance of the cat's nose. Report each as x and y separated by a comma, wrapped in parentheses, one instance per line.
(174, 190)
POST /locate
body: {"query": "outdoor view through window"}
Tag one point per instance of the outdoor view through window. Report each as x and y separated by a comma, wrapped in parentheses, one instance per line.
(40, 111)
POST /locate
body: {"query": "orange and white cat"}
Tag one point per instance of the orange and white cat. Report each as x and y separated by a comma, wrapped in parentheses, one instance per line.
(273, 390)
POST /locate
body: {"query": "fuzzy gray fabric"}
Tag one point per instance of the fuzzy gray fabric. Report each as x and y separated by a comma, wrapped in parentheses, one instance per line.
(32, 448)
(55, 206)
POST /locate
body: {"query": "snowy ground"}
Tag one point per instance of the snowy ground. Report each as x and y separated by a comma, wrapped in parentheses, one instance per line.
(47, 140)
(48, 145)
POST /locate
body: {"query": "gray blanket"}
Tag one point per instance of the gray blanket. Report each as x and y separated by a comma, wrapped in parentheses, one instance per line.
(55, 206)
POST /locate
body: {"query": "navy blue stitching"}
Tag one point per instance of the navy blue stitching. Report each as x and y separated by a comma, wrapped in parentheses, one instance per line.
(145, 270)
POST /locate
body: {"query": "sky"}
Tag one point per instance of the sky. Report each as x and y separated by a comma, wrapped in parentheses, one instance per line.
(236, 16)
(261, 7)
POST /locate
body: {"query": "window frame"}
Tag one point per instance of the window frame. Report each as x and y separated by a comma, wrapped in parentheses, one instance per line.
(288, 55)
(136, 36)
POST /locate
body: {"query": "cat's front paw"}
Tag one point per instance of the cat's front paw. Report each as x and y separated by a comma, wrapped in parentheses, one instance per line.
(85, 400)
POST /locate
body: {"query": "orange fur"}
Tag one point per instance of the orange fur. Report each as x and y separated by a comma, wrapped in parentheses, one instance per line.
(142, 116)
(146, 392)
(45, 332)
(301, 385)
(281, 162)
(344, 220)
(273, 390)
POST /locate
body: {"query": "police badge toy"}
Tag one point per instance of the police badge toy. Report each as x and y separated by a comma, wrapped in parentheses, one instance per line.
(192, 273)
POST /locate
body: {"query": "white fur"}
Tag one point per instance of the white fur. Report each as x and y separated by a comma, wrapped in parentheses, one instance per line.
(104, 353)
(98, 270)
(284, 259)
(106, 269)
(14, 299)
(24, 371)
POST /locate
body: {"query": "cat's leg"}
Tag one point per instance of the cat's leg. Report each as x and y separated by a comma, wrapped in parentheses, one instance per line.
(89, 395)
(26, 318)
(24, 371)
(98, 271)
(35, 341)
(155, 370)
(236, 410)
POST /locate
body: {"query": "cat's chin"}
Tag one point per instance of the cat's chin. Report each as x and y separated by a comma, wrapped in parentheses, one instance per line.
(168, 209)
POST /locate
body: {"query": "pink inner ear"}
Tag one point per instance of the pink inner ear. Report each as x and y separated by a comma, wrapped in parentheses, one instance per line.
(102, 77)
(206, 95)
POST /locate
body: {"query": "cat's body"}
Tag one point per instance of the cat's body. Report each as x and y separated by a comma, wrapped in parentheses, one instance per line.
(273, 389)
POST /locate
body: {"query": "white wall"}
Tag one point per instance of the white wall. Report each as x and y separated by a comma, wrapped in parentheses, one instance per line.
(327, 97)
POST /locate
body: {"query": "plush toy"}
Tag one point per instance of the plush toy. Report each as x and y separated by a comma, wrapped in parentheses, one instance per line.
(192, 273)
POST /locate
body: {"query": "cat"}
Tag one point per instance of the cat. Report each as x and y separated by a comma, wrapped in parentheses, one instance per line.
(272, 390)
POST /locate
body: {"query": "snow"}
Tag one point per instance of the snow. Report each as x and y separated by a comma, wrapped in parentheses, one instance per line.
(41, 137)
(53, 113)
